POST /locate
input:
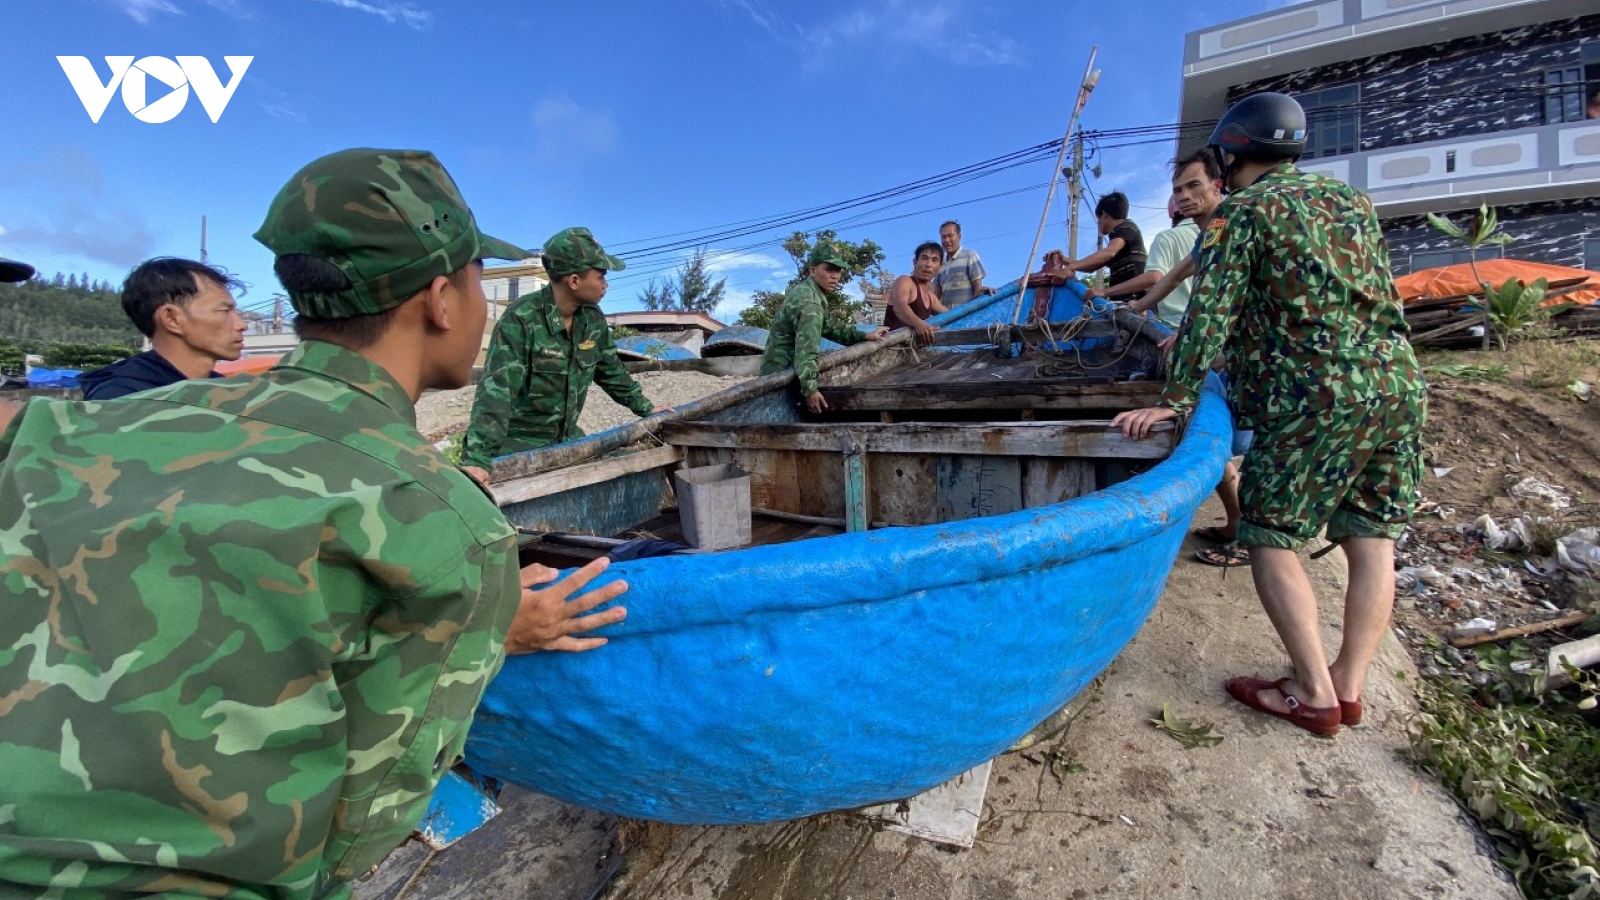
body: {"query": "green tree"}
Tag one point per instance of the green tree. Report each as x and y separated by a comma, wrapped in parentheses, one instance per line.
(690, 290)
(840, 311)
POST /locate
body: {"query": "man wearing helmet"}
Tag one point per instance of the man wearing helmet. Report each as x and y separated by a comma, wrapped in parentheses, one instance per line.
(1294, 289)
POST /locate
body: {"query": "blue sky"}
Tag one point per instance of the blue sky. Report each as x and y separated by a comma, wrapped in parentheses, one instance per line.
(635, 119)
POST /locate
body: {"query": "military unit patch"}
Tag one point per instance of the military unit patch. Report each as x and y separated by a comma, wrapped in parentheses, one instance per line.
(1212, 235)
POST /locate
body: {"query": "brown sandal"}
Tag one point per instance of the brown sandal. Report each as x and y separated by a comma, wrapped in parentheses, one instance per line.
(1227, 556)
(1319, 720)
(1349, 710)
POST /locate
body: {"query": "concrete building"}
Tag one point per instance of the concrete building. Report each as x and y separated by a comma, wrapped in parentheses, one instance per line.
(503, 284)
(1432, 106)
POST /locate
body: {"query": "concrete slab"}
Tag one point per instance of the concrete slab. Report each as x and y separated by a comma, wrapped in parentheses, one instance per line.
(1271, 812)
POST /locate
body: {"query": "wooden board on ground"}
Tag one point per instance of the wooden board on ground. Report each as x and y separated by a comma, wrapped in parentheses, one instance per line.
(537, 847)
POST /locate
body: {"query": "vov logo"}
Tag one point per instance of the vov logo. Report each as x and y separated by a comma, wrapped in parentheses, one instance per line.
(134, 79)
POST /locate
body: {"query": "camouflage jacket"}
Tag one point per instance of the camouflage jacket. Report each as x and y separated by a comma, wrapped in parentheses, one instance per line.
(247, 622)
(537, 376)
(1294, 291)
(795, 338)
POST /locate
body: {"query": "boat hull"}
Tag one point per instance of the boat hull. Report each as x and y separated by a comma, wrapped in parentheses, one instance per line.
(783, 681)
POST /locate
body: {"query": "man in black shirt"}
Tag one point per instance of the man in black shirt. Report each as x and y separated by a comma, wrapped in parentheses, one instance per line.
(1123, 254)
(187, 311)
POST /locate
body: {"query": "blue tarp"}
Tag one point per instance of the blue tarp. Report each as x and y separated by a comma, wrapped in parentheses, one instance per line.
(54, 378)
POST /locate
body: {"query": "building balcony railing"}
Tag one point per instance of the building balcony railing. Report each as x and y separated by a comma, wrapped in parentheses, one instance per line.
(1547, 162)
(1391, 23)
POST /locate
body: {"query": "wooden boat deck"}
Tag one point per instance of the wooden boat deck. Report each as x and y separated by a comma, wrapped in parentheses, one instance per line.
(765, 529)
(983, 380)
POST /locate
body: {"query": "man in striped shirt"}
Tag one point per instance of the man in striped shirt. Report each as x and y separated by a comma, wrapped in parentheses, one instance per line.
(961, 278)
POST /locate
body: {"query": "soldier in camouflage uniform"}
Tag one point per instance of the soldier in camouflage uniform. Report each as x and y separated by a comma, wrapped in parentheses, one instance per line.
(795, 339)
(545, 352)
(247, 621)
(1294, 289)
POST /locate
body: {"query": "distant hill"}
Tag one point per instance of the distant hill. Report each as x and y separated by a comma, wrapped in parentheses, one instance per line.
(65, 311)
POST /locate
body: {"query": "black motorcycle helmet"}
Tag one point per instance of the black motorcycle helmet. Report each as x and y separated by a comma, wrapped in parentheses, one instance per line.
(1267, 126)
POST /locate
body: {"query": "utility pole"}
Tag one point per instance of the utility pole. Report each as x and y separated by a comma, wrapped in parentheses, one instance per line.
(1074, 195)
(277, 314)
(202, 239)
(1091, 77)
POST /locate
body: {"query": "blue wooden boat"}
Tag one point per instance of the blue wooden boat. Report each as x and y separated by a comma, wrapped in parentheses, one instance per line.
(747, 340)
(937, 565)
(644, 346)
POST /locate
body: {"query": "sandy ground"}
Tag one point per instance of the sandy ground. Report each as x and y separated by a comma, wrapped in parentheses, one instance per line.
(442, 413)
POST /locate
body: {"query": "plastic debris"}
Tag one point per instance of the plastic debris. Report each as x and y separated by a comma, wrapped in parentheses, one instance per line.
(1580, 389)
(1473, 628)
(1580, 552)
(1543, 491)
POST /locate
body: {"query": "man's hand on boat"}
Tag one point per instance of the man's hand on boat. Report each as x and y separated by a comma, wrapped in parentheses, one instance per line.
(1136, 423)
(878, 333)
(924, 332)
(478, 474)
(547, 620)
(816, 402)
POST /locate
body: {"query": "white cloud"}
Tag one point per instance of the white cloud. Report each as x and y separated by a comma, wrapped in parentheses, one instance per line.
(70, 210)
(568, 132)
(904, 27)
(142, 11)
(391, 11)
(892, 29)
(722, 262)
(764, 17)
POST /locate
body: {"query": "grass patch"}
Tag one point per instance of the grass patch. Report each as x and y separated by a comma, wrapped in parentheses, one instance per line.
(1526, 763)
(1552, 365)
(1465, 372)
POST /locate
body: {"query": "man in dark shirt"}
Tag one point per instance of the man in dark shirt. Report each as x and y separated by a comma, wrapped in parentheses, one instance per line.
(187, 311)
(1123, 253)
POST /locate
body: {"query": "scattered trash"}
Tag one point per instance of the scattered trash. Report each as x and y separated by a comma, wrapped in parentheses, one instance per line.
(1580, 551)
(1580, 389)
(1473, 628)
(1544, 491)
(1427, 575)
(1185, 731)
(1442, 471)
(1126, 821)
(1516, 536)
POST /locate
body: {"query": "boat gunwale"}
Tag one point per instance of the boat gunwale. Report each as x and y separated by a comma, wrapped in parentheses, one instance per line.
(762, 580)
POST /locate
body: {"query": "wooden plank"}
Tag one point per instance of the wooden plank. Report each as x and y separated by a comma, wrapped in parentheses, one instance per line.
(1047, 481)
(995, 393)
(520, 489)
(822, 480)
(971, 487)
(1083, 438)
(855, 489)
(902, 487)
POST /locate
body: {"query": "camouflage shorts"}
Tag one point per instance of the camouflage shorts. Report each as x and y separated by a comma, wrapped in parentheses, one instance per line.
(1354, 468)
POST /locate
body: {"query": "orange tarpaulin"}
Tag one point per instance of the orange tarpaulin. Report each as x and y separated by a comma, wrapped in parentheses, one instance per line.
(1457, 280)
(253, 365)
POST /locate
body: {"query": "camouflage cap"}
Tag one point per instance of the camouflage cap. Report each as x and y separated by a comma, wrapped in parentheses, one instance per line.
(12, 272)
(828, 252)
(391, 220)
(573, 251)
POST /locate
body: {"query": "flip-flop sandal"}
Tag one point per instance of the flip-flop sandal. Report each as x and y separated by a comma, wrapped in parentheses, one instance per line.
(1323, 721)
(1349, 710)
(1226, 556)
(1212, 533)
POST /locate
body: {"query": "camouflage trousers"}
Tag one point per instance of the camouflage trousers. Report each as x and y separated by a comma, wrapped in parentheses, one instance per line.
(1354, 468)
